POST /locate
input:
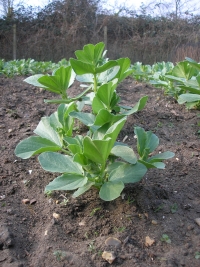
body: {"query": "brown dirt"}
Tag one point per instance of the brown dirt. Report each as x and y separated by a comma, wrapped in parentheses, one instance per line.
(31, 237)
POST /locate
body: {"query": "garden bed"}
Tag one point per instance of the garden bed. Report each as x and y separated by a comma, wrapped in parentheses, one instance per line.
(55, 230)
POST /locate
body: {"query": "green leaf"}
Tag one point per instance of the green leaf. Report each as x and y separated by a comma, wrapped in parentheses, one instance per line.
(67, 181)
(91, 53)
(193, 63)
(104, 116)
(114, 130)
(146, 142)
(64, 118)
(33, 80)
(159, 165)
(98, 50)
(54, 121)
(60, 81)
(83, 189)
(81, 67)
(85, 78)
(188, 98)
(34, 145)
(184, 70)
(77, 140)
(96, 150)
(87, 54)
(74, 149)
(128, 173)
(45, 130)
(85, 118)
(108, 65)
(107, 75)
(105, 92)
(97, 105)
(124, 71)
(81, 159)
(113, 166)
(161, 156)
(139, 106)
(124, 152)
(56, 162)
(191, 90)
(111, 190)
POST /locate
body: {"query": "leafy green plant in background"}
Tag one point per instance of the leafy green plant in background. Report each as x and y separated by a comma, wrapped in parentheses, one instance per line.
(95, 159)
(29, 66)
(182, 82)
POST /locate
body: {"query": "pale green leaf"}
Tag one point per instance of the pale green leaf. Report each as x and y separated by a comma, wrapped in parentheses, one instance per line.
(85, 118)
(111, 190)
(45, 130)
(56, 162)
(33, 80)
(34, 145)
(67, 182)
(124, 152)
(188, 98)
(128, 173)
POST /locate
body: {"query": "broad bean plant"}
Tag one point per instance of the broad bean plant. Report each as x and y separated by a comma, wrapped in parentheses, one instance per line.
(94, 159)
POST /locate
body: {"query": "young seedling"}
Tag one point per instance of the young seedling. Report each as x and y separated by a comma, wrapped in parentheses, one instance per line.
(94, 211)
(59, 255)
(174, 208)
(197, 255)
(159, 208)
(91, 246)
(165, 238)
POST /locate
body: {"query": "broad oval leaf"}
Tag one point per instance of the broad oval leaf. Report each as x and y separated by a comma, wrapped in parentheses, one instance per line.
(124, 152)
(108, 65)
(81, 67)
(139, 106)
(128, 173)
(67, 181)
(111, 190)
(34, 145)
(33, 80)
(45, 130)
(162, 156)
(85, 118)
(56, 162)
(188, 98)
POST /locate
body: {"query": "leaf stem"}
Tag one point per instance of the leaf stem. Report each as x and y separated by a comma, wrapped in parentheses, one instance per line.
(95, 83)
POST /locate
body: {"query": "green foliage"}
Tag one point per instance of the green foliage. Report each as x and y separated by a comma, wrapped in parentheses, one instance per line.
(29, 66)
(181, 81)
(94, 159)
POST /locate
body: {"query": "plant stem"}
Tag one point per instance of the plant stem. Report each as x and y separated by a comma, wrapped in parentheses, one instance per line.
(95, 83)
(65, 151)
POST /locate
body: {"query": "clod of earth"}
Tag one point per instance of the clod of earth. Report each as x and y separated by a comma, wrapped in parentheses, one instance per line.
(109, 256)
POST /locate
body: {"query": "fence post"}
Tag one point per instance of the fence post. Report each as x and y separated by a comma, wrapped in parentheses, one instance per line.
(14, 42)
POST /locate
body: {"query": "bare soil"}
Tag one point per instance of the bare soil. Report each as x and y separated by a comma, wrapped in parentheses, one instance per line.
(58, 231)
